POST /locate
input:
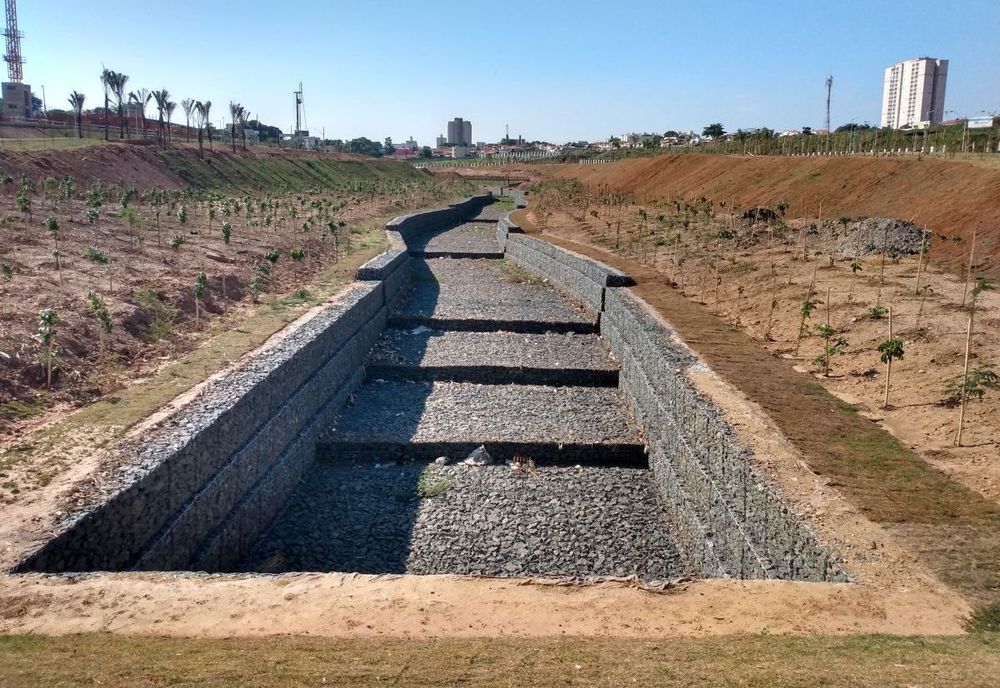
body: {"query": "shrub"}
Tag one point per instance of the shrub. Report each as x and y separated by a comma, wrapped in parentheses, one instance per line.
(96, 256)
(876, 312)
(979, 381)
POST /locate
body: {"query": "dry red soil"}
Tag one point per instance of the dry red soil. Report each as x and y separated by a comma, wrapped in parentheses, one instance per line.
(953, 198)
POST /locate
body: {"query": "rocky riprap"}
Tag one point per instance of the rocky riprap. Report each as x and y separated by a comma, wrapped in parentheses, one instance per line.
(564, 521)
(874, 235)
(479, 355)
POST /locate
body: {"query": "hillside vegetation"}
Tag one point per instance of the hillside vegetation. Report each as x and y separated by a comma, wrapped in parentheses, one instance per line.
(953, 198)
(272, 170)
(117, 259)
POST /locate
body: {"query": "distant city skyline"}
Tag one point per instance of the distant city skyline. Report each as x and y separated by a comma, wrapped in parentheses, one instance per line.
(555, 71)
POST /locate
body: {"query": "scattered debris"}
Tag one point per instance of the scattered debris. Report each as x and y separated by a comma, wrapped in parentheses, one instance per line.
(523, 465)
(478, 457)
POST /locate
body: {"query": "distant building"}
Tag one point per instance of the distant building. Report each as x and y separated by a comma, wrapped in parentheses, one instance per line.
(459, 132)
(913, 92)
(16, 101)
(441, 142)
(409, 144)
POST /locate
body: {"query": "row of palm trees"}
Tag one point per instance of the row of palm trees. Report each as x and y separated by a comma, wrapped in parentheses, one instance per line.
(114, 84)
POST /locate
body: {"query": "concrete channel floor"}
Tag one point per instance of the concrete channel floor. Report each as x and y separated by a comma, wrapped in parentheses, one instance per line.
(577, 500)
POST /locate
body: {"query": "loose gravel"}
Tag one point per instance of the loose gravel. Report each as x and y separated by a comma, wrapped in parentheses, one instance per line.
(448, 289)
(875, 235)
(474, 238)
(400, 416)
(488, 520)
(389, 492)
(425, 347)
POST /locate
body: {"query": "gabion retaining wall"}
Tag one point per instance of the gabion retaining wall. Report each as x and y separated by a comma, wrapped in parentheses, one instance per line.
(208, 480)
(408, 227)
(731, 520)
(580, 276)
(240, 441)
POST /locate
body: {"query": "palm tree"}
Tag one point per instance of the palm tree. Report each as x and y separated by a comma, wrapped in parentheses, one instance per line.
(234, 111)
(141, 98)
(188, 105)
(76, 100)
(171, 106)
(244, 122)
(118, 88)
(106, 80)
(162, 97)
(202, 110)
(206, 113)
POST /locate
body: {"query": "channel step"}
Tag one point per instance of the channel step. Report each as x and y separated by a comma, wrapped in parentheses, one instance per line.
(486, 296)
(472, 255)
(395, 421)
(492, 358)
(470, 240)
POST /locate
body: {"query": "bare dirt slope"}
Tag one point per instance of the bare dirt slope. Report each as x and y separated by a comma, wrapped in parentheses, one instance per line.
(943, 506)
(953, 198)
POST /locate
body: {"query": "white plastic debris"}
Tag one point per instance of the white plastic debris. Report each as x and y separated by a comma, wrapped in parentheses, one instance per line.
(420, 329)
(478, 457)
(441, 460)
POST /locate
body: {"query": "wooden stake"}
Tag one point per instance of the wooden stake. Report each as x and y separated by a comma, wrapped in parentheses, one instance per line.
(826, 370)
(881, 268)
(802, 322)
(888, 369)
(968, 268)
(965, 377)
(920, 263)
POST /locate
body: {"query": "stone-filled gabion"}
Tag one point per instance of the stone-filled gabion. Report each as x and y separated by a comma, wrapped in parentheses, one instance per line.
(730, 520)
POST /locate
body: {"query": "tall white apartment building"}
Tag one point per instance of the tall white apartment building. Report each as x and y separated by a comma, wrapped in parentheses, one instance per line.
(914, 92)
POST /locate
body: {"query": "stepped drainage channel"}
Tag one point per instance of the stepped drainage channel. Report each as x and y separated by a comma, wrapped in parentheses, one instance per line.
(459, 414)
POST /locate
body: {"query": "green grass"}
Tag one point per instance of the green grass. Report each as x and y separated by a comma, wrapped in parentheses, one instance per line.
(985, 619)
(738, 661)
(431, 484)
(20, 410)
(518, 275)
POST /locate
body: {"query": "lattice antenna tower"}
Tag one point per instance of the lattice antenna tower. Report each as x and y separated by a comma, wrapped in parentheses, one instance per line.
(13, 57)
(829, 87)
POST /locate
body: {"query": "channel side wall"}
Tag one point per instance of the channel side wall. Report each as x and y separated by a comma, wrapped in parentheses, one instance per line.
(730, 519)
(207, 481)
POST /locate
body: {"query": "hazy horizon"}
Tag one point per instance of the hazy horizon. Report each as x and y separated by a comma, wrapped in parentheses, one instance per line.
(557, 72)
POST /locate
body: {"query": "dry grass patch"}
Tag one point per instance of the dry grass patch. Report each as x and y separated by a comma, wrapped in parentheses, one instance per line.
(738, 661)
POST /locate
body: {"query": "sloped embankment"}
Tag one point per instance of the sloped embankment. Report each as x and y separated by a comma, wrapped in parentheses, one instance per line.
(953, 198)
(143, 167)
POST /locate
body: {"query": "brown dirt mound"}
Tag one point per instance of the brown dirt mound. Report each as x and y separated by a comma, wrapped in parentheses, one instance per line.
(951, 197)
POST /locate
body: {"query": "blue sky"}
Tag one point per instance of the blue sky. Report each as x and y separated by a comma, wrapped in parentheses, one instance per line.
(553, 70)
